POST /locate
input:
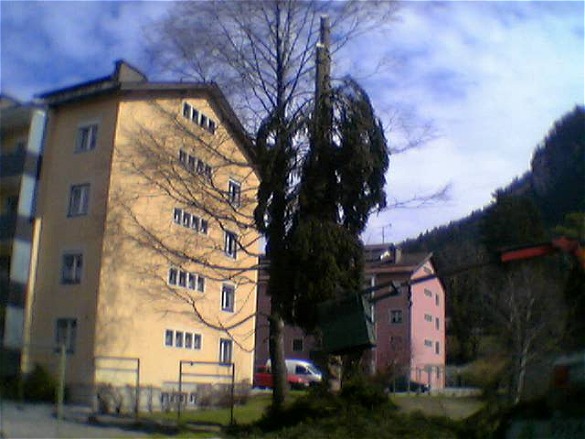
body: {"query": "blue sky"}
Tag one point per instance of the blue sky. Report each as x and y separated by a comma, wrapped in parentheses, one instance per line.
(491, 77)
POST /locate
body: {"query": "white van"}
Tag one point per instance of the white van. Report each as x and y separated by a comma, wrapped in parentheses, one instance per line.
(302, 368)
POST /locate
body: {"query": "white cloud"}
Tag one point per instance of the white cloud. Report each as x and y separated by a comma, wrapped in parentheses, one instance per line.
(492, 76)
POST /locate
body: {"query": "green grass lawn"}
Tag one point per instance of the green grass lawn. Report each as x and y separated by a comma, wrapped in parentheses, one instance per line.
(413, 411)
(455, 408)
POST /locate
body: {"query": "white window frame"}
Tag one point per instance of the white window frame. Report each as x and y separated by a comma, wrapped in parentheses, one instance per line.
(228, 297)
(234, 193)
(86, 137)
(188, 340)
(71, 274)
(203, 226)
(177, 215)
(187, 110)
(197, 341)
(226, 350)
(78, 200)
(186, 220)
(173, 277)
(66, 333)
(230, 244)
(169, 339)
(179, 339)
(200, 284)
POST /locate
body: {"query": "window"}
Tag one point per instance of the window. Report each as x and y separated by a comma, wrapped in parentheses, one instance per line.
(234, 191)
(200, 283)
(196, 341)
(203, 227)
(437, 299)
(195, 223)
(190, 221)
(183, 157)
(396, 316)
(169, 337)
(429, 343)
(86, 138)
(186, 110)
(186, 219)
(437, 324)
(72, 266)
(185, 279)
(179, 339)
(429, 318)
(428, 293)
(225, 351)
(182, 339)
(78, 200)
(230, 244)
(297, 345)
(182, 278)
(66, 333)
(191, 281)
(198, 118)
(195, 116)
(192, 163)
(228, 294)
(437, 348)
(173, 274)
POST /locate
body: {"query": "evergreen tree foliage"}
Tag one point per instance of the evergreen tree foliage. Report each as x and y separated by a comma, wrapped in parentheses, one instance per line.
(524, 212)
(341, 183)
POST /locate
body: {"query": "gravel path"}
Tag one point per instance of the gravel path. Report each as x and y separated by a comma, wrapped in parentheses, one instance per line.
(39, 421)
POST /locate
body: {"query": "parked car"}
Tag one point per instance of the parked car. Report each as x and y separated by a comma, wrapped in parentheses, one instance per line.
(402, 384)
(263, 379)
(302, 368)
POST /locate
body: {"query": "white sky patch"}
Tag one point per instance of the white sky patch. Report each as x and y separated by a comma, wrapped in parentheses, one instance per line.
(491, 76)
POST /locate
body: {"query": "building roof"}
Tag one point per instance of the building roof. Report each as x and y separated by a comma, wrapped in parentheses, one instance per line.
(127, 79)
(389, 259)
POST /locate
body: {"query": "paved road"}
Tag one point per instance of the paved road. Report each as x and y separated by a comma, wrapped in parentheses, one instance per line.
(39, 421)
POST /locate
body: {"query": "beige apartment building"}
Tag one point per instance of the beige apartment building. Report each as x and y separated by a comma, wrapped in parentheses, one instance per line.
(143, 252)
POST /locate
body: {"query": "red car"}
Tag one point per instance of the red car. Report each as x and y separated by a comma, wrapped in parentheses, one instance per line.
(263, 379)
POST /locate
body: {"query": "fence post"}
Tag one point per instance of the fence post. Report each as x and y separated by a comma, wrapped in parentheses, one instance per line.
(61, 383)
(180, 390)
(137, 388)
(233, 386)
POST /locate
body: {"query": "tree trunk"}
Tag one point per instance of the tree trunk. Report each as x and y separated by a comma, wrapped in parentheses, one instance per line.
(278, 365)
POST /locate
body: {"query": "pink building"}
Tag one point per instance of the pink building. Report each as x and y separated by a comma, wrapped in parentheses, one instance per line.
(409, 326)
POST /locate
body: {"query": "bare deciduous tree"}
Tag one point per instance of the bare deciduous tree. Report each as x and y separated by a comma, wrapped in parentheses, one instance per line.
(262, 54)
(526, 309)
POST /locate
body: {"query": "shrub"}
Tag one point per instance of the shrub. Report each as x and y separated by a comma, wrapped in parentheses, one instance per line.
(367, 393)
(39, 385)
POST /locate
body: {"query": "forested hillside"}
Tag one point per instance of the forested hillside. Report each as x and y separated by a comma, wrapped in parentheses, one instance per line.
(524, 301)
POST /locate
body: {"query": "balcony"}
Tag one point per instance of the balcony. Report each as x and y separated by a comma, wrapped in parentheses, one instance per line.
(12, 164)
(7, 226)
